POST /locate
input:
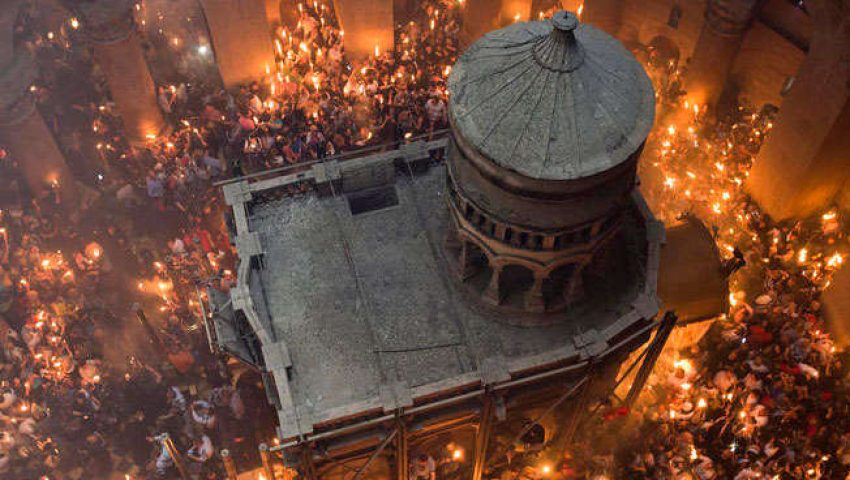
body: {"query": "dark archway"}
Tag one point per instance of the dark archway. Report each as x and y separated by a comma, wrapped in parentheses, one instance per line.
(555, 286)
(514, 281)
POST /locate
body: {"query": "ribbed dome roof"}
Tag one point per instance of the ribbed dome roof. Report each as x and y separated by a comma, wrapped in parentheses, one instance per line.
(552, 99)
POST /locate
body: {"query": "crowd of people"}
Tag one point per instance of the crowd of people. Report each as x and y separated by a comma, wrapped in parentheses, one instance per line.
(763, 395)
(314, 105)
(105, 364)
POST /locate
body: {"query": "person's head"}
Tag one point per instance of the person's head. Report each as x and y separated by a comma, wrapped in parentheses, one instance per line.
(422, 458)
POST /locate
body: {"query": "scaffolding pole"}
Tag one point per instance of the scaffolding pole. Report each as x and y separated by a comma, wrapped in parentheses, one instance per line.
(307, 466)
(375, 454)
(668, 323)
(579, 411)
(402, 454)
(229, 465)
(175, 456)
(569, 393)
(482, 436)
(265, 457)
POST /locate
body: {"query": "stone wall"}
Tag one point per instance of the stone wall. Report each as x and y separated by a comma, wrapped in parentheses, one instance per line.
(765, 61)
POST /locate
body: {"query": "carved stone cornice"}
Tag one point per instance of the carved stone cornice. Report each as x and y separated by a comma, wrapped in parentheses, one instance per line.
(107, 21)
(16, 101)
(730, 17)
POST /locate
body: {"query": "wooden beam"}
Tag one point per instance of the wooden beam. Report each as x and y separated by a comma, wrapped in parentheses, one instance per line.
(229, 465)
(375, 454)
(176, 457)
(402, 451)
(307, 466)
(265, 457)
(482, 436)
(652, 354)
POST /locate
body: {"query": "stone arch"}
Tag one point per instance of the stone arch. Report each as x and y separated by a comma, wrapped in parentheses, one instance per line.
(557, 283)
(514, 281)
(477, 265)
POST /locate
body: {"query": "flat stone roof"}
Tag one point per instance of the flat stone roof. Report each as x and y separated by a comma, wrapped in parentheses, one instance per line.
(363, 315)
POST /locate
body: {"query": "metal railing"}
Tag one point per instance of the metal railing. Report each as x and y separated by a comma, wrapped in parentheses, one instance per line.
(340, 157)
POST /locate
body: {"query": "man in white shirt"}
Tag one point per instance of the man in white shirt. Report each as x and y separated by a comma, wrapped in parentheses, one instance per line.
(435, 107)
(201, 450)
(424, 468)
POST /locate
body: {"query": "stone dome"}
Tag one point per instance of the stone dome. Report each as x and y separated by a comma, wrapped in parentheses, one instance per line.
(551, 100)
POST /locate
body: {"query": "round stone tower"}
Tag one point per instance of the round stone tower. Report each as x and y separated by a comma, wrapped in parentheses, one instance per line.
(548, 121)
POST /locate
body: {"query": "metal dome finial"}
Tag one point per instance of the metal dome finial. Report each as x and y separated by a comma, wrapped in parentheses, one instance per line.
(565, 21)
(560, 51)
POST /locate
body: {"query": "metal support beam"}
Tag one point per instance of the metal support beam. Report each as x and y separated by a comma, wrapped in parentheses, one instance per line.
(229, 464)
(375, 454)
(569, 393)
(482, 436)
(308, 468)
(153, 336)
(265, 457)
(668, 323)
(578, 412)
(402, 453)
(569, 369)
(175, 456)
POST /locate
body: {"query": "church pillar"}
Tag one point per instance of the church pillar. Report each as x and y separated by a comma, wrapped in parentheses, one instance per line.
(466, 262)
(241, 39)
(288, 13)
(493, 294)
(534, 301)
(272, 12)
(803, 162)
(479, 17)
(606, 15)
(117, 50)
(26, 135)
(483, 16)
(515, 11)
(726, 23)
(367, 24)
(404, 10)
(574, 289)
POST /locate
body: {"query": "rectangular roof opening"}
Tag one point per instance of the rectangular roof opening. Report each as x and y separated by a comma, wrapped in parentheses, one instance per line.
(372, 200)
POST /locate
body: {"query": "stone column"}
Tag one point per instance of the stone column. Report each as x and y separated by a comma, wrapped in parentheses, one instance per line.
(241, 39)
(726, 23)
(804, 162)
(574, 288)
(288, 13)
(466, 268)
(515, 11)
(479, 17)
(367, 24)
(534, 300)
(117, 50)
(606, 15)
(26, 135)
(493, 293)
(404, 10)
(273, 12)
(483, 16)
(8, 18)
